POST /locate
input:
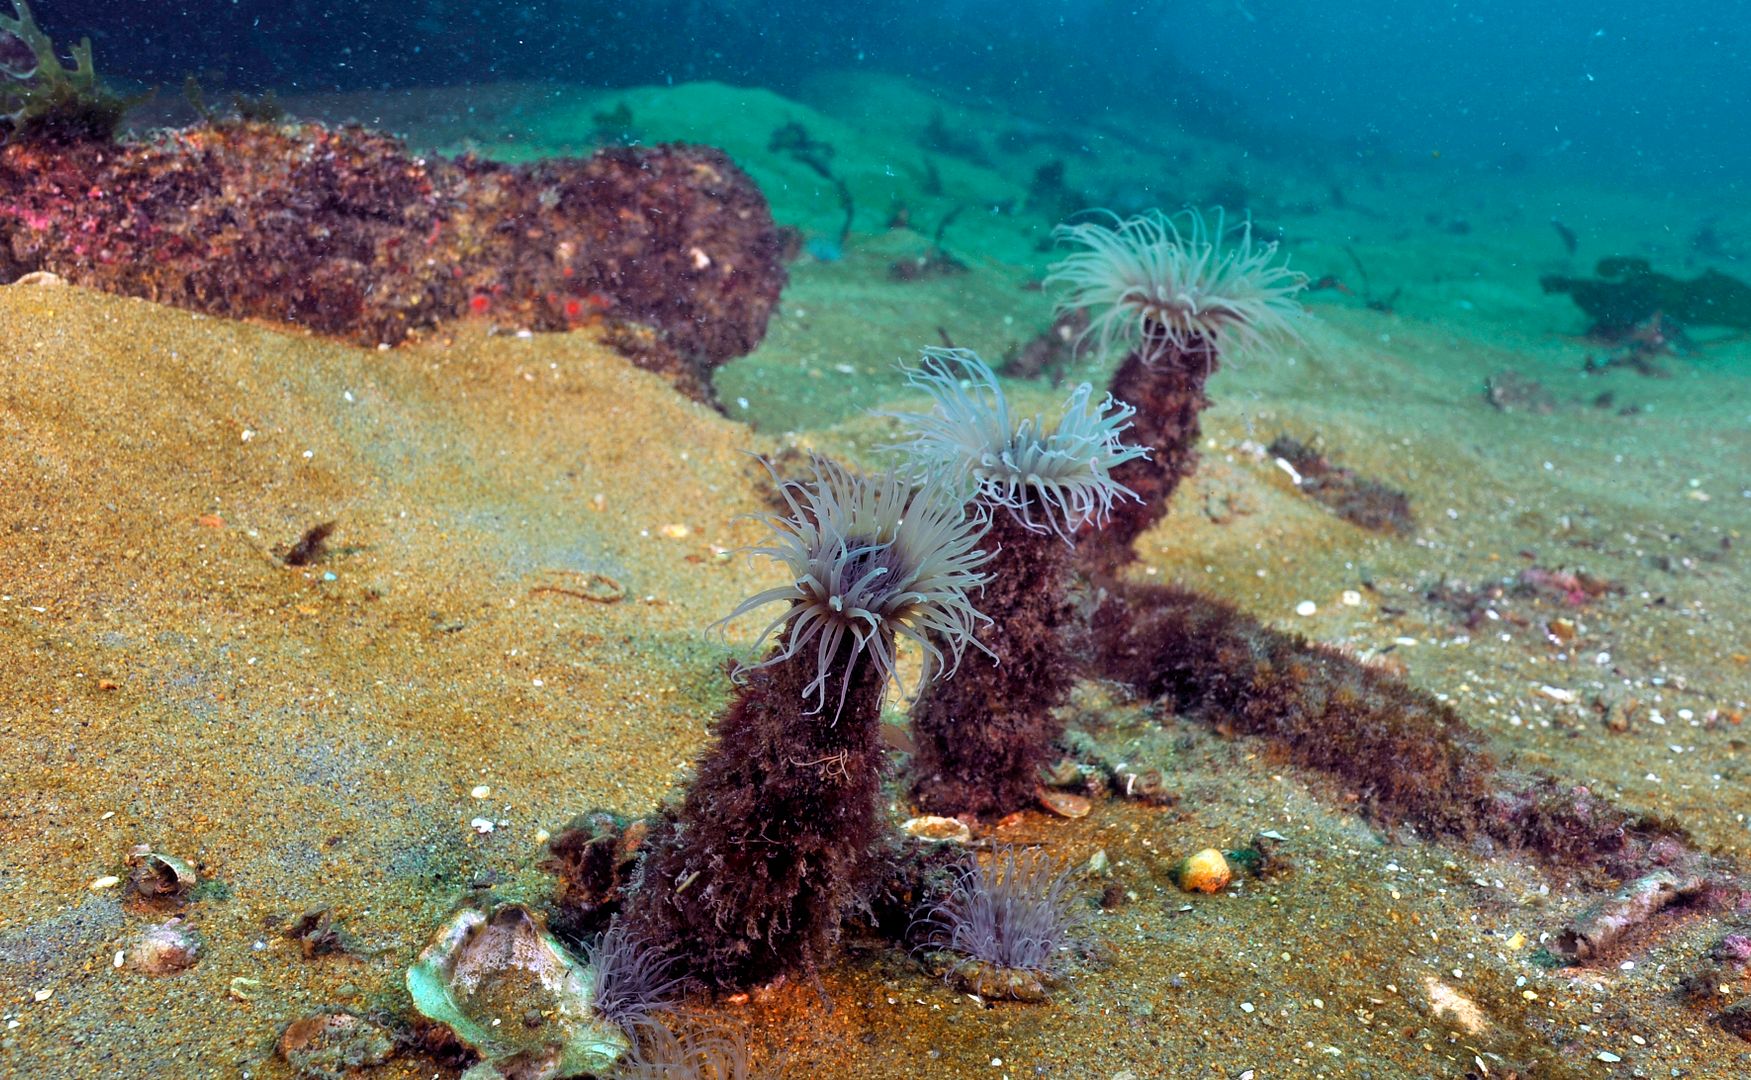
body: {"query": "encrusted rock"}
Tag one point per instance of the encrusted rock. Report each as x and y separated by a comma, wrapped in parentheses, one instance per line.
(507, 990)
(334, 1044)
(345, 231)
(164, 949)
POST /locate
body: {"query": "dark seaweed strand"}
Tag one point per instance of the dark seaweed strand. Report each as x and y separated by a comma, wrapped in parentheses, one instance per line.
(983, 735)
(750, 877)
(1405, 756)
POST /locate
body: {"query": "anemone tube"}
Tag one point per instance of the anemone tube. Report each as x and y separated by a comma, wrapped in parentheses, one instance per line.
(1177, 295)
(773, 841)
(983, 736)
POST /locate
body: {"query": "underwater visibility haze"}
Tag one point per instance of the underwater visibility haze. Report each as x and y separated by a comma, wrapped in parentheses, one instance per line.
(921, 540)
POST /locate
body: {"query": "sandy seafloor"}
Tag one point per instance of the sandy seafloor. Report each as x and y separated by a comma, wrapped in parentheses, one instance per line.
(164, 680)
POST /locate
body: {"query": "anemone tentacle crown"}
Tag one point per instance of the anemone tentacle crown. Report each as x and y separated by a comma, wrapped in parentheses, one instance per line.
(872, 559)
(1059, 467)
(1156, 282)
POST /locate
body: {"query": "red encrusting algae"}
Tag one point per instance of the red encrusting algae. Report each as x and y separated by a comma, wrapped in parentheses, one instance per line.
(344, 231)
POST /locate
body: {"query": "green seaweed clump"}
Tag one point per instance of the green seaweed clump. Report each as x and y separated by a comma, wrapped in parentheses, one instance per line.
(44, 100)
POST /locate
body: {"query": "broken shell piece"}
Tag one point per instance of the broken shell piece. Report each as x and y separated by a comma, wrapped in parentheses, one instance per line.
(1602, 925)
(1063, 803)
(164, 949)
(41, 277)
(510, 992)
(157, 876)
(1147, 786)
(331, 1043)
(1205, 872)
(931, 827)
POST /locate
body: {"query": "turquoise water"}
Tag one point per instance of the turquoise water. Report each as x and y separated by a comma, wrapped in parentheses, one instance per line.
(1611, 90)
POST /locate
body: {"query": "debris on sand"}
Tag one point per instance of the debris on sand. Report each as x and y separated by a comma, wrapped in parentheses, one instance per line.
(311, 546)
(1596, 930)
(1510, 391)
(1357, 499)
(332, 1044)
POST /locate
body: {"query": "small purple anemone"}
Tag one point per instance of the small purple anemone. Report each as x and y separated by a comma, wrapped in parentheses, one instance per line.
(1018, 912)
(633, 983)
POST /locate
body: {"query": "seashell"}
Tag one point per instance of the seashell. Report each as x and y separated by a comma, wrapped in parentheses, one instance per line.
(40, 278)
(157, 876)
(1062, 773)
(1063, 803)
(1205, 872)
(509, 991)
(332, 1043)
(164, 949)
(931, 827)
(1147, 786)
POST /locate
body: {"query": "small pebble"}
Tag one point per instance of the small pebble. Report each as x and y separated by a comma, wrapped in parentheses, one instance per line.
(164, 949)
(107, 881)
(1306, 608)
(1205, 872)
(481, 825)
(481, 791)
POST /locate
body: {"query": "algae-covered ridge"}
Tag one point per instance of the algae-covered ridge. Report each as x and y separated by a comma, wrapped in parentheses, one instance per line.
(48, 100)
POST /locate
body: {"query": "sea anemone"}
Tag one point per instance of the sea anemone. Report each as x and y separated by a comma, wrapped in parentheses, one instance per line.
(1006, 923)
(1150, 285)
(871, 559)
(632, 979)
(661, 1052)
(1060, 467)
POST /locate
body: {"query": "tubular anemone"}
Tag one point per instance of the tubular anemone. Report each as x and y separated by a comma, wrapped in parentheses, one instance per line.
(633, 980)
(872, 559)
(1006, 922)
(1156, 282)
(1059, 468)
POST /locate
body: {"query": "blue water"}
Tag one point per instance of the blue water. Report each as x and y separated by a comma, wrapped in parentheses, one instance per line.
(1624, 90)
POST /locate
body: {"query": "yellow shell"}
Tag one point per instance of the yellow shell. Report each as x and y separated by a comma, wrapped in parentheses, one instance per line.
(1205, 872)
